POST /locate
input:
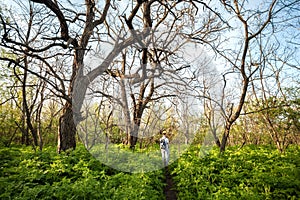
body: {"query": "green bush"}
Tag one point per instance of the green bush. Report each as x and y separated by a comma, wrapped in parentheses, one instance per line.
(250, 173)
(254, 172)
(26, 174)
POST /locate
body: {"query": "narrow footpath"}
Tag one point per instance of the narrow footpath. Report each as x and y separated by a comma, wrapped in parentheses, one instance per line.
(170, 190)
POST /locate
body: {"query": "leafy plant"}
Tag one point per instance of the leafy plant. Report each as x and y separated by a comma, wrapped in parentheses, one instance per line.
(26, 174)
(254, 172)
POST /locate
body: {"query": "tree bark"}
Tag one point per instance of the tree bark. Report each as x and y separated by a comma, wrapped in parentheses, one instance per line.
(225, 137)
(67, 130)
(217, 141)
(134, 136)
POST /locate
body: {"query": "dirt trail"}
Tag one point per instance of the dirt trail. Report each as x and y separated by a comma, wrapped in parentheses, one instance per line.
(170, 191)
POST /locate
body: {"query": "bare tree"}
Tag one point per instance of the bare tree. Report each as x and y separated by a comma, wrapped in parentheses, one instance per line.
(52, 40)
(271, 96)
(243, 58)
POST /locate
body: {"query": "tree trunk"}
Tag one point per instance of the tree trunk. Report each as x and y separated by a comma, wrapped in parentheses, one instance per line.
(28, 112)
(138, 113)
(125, 107)
(134, 136)
(67, 130)
(72, 114)
(225, 137)
(214, 133)
(217, 141)
(38, 122)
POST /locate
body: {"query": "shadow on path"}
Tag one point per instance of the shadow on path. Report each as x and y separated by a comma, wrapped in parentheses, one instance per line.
(170, 190)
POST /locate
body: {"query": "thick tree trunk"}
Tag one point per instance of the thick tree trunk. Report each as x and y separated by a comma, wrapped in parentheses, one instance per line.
(134, 136)
(126, 109)
(72, 114)
(67, 130)
(138, 113)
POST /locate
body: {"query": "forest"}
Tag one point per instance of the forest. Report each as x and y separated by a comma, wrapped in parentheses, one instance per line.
(88, 87)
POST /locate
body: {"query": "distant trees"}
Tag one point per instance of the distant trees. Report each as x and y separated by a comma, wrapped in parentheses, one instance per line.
(274, 120)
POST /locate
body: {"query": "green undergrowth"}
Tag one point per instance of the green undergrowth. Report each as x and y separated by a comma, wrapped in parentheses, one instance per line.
(253, 172)
(25, 174)
(143, 160)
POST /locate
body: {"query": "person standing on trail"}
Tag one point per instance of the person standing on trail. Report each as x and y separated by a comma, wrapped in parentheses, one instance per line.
(164, 148)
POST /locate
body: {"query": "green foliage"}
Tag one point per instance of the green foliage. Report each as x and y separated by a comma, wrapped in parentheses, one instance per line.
(9, 131)
(271, 120)
(10, 114)
(46, 175)
(250, 173)
(123, 158)
(253, 172)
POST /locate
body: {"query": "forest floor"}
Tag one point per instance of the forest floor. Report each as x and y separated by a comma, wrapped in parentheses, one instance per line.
(169, 191)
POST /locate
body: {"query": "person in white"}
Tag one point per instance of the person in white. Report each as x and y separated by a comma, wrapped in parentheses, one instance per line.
(164, 148)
